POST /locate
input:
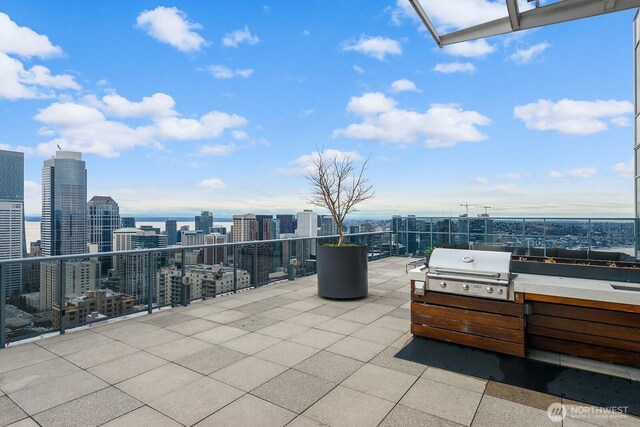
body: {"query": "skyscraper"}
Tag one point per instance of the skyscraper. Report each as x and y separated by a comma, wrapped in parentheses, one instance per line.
(104, 218)
(12, 240)
(204, 221)
(287, 223)
(171, 230)
(328, 226)
(64, 205)
(128, 222)
(245, 228)
(307, 224)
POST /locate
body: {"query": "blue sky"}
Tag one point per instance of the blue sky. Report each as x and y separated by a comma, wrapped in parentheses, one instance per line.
(185, 106)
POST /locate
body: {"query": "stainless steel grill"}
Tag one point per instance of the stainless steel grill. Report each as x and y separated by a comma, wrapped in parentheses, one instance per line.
(474, 273)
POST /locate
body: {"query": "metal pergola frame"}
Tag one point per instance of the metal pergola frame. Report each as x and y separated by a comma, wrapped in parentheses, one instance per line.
(555, 13)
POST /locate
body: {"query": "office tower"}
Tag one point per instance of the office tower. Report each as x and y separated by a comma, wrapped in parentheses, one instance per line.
(219, 230)
(354, 228)
(212, 256)
(204, 221)
(64, 205)
(192, 237)
(636, 54)
(307, 224)
(80, 276)
(179, 233)
(104, 218)
(245, 228)
(287, 223)
(171, 230)
(128, 222)
(136, 276)
(12, 232)
(265, 227)
(328, 226)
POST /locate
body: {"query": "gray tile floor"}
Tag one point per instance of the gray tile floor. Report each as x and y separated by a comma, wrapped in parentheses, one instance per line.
(275, 356)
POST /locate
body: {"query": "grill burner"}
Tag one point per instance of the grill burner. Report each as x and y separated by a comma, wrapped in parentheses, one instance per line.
(482, 274)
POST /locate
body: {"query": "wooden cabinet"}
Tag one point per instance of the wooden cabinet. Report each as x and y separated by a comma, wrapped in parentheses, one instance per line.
(475, 322)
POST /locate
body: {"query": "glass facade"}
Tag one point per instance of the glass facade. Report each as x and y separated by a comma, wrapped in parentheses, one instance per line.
(12, 233)
(64, 205)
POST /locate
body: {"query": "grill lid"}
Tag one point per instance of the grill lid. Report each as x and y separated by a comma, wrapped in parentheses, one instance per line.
(480, 264)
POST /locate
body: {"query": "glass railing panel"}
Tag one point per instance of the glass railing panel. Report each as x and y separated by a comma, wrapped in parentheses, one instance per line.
(532, 228)
(567, 234)
(613, 237)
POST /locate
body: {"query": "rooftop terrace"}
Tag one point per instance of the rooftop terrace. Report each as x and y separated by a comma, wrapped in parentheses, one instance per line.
(274, 356)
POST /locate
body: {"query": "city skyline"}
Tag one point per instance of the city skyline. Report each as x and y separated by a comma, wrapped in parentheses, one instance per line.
(220, 107)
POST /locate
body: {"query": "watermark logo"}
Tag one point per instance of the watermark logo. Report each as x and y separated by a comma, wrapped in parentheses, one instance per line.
(556, 412)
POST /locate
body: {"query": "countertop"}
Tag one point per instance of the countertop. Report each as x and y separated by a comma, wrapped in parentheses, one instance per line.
(569, 287)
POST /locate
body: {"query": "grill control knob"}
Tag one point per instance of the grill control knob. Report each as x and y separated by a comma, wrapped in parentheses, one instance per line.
(443, 285)
(500, 291)
(489, 290)
(465, 287)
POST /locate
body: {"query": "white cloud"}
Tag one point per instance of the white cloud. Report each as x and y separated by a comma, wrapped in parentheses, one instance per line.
(102, 82)
(442, 125)
(217, 150)
(32, 187)
(370, 104)
(237, 37)
(482, 179)
(574, 173)
(471, 49)
(222, 72)
(170, 25)
(211, 184)
(455, 67)
(87, 127)
(624, 169)
(358, 69)
(377, 47)
(524, 56)
(306, 113)
(498, 188)
(571, 117)
(16, 82)
(156, 105)
(240, 135)
(304, 164)
(404, 85)
(23, 41)
(306, 33)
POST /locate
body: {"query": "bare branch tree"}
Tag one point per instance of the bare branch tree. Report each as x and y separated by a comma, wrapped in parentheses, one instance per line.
(337, 186)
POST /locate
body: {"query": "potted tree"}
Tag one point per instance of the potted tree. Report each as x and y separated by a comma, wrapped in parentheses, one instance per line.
(339, 187)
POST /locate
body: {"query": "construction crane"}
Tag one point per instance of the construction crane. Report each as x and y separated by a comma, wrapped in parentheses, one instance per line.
(466, 209)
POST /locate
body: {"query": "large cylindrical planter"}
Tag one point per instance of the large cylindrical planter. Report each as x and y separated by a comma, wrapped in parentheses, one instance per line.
(342, 271)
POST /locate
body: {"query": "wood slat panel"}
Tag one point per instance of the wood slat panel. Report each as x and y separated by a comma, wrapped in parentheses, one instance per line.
(588, 314)
(464, 326)
(584, 303)
(508, 322)
(469, 340)
(584, 338)
(585, 327)
(508, 308)
(583, 350)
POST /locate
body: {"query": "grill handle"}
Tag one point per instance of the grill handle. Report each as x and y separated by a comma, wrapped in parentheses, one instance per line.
(467, 272)
(498, 282)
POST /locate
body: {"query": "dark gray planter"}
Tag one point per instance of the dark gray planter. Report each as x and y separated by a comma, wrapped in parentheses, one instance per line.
(342, 272)
(598, 272)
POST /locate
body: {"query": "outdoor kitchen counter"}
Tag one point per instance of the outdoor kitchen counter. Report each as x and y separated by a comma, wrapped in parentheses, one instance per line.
(583, 289)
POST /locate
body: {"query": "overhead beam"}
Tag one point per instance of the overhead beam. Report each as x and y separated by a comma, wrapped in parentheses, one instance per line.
(426, 21)
(514, 14)
(562, 11)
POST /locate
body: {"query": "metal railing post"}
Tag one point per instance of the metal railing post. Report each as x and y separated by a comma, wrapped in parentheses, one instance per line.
(235, 269)
(255, 265)
(62, 289)
(589, 235)
(149, 287)
(544, 235)
(3, 315)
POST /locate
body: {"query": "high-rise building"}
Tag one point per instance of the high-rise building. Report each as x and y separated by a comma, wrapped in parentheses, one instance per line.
(128, 222)
(134, 271)
(79, 276)
(64, 205)
(636, 54)
(328, 226)
(171, 230)
(219, 230)
(212, 256)
(104, 218)
(265, 227)
(245, 228)
(12, 232)
(204, 222)
(192, 237)
(307, 224)
(287, 223)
